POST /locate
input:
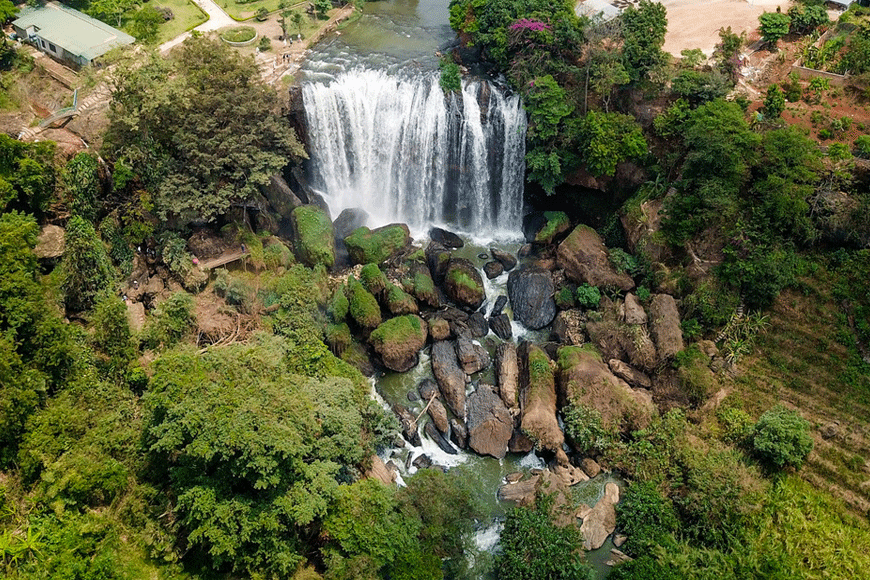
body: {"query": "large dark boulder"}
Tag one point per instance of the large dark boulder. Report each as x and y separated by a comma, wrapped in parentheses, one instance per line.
(348, 220)
(450, 377)
(463, 284)
(489, 423)
(477, 325)
(501, 326)
(508, 261)
(584, 258)
(439, 439)
(500, 303)
(399, 340)
(531, 293)
(493, 269)
(438, 259)
(445, 238)
(279, 195)
(367, 246)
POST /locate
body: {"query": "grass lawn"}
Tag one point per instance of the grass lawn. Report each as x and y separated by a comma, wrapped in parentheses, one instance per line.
(240, 11)
(187, 15)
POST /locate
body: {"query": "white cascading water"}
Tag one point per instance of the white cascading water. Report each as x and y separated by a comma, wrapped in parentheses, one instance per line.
(397, 148)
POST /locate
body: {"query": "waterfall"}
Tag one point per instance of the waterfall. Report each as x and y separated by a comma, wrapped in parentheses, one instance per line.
(399, 149)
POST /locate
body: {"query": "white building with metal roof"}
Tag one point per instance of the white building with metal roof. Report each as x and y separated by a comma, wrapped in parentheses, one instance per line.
(67, 34)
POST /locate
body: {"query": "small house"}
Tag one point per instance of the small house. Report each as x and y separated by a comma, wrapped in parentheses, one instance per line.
(67, 34)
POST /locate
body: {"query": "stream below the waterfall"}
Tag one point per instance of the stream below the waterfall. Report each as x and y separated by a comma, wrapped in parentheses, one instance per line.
(394, 41)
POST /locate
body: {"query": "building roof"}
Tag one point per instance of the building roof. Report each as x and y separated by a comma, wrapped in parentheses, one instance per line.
(597, 8)
(76, 32)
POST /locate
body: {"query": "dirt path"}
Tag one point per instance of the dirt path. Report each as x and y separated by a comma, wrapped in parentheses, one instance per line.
(217, 19)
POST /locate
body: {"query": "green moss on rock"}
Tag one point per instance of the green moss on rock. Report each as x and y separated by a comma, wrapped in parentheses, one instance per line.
(398, 340)
(338, 304)
(463, 284)
(399, 302)
(557, 223)
(376, 246)
(364, 307)
(373, 279)
(315, 243)
(338, 337)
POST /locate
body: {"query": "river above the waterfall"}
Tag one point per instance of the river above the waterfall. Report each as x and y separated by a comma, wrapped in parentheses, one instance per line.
(390, 35)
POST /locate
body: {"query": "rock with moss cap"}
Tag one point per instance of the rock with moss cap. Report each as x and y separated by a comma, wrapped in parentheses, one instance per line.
(463, 284)
(584, 258)
(313, 234)
(338, 306)
(367, 246)
(373, 279)
(584, 379)
(363, 307)
(538, 386)
(399, 302)
(423, 287)
(399, 340)
(545, 227)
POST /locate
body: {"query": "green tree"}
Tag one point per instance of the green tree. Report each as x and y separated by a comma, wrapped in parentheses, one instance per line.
(110, 10)
(534, 548)
(87, 269)
(200, 129)
(8, 11)
(608, 138)
(321, 7)
(774, 103)
(646, 517)
(807, 17)
(146, 24)
(644, 28)
(298, 19)
(781, 438)
(81, 180)
(773, 26)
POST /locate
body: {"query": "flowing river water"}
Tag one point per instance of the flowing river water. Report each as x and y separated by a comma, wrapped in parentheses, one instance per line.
(384, 138)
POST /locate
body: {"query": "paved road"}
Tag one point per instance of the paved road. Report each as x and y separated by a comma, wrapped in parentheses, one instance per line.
(217, 19)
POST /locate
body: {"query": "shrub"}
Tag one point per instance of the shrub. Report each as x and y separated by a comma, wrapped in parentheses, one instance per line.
(862, 146)
(264, 44)
(736, 425)
(588, 296)
(86, 267)
(646, 517)
(781, 438)
(839, 152)
(534, 548)
(450, 80)
(694, 373)
(584, 428)
(170, 322)
(564, 298)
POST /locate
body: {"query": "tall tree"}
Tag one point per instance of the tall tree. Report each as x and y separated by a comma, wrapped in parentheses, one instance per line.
(773, 26)
(200, 130)
(644, 31)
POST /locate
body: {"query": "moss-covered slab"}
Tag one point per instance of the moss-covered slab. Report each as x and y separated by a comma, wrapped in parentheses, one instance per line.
(363, 307)
(399, 340)
(539, 420)
(399, 302)
(463, 284)
(313, 236)
(376, 246)
(557, 223)
(373, 279)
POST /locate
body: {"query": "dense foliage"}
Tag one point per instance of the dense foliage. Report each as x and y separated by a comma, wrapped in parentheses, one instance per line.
(199, 131)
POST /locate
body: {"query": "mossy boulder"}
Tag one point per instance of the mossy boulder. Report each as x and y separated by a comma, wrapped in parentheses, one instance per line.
(313, 235)
(463, 284)
(586, 380)
(422, 286)
(338, 338)
(338, 305)
(367, 246)
(399, 340)
(357, 356)
(363, 307)
(584, 258)
(373, 279)
(545, 227)
(538, 385)
(399, 302)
